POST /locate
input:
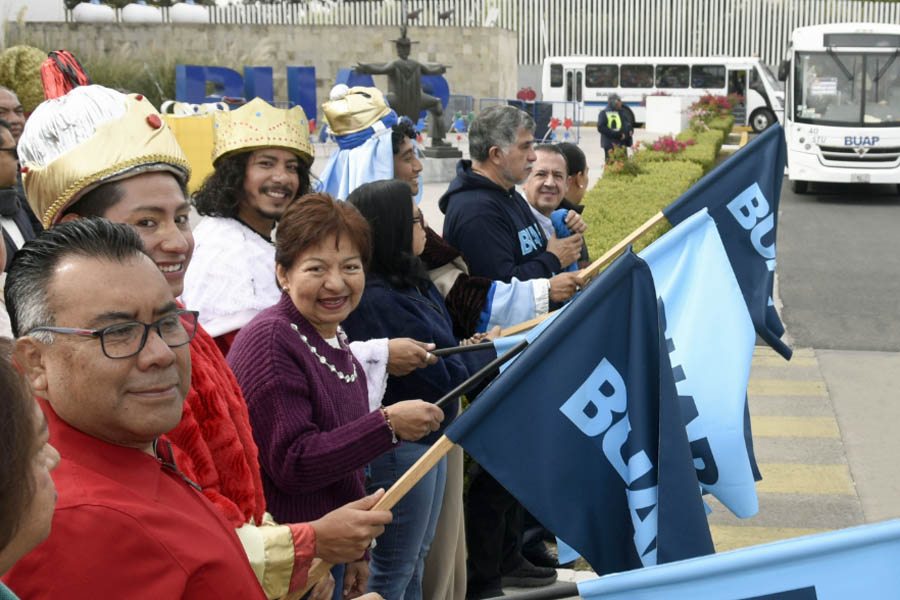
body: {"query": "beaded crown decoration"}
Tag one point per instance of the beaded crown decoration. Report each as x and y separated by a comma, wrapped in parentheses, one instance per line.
(258, 124)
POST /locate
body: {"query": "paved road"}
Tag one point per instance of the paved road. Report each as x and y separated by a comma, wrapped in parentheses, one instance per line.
(824, 423)
(839, 267)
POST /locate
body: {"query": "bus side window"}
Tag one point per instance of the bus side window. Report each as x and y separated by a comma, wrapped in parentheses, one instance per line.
(556, 75)
(637, 76)
(708, 76)
(601, 76)
(672, 76)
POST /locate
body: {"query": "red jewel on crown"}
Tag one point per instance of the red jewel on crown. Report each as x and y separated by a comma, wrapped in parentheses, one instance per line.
(154, 121)
(23, 170)
(139, 97)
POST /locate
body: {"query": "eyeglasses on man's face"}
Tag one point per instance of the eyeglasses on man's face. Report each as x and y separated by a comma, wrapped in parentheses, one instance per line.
(124, 340)
(12, 151)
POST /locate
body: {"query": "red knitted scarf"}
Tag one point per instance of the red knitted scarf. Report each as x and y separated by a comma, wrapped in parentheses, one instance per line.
(213, 443)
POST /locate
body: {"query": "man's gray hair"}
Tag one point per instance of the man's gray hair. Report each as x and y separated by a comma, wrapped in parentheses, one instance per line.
(32, 268)
(497, 125)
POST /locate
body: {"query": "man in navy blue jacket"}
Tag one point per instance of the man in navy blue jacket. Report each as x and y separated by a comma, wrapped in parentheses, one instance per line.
(489, 221)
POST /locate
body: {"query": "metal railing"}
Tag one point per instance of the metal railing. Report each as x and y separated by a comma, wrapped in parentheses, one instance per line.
(590, 27)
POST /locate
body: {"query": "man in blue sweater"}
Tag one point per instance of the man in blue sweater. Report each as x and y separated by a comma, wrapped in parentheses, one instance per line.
(489, 221)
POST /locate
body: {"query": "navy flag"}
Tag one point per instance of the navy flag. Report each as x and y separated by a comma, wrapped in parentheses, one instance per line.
(742, 195)
(585, 429)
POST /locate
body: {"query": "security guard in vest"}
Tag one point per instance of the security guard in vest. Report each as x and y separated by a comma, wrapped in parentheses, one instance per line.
(614, 127)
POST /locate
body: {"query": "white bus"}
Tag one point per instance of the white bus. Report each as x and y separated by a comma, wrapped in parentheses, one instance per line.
(842, 120)
(590, 79)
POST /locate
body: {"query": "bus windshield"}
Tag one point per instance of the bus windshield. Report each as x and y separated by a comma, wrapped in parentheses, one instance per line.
(847, 88)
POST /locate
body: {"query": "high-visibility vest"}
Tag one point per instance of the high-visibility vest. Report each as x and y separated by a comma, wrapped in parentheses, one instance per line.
(613, 121)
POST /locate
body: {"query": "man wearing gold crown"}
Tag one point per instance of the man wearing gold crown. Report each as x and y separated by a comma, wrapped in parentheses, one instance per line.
(261, 156)
(97, 152)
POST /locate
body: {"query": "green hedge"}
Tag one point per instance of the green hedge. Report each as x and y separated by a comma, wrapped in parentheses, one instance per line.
(705, 149)
(618, 205)
(725, 124)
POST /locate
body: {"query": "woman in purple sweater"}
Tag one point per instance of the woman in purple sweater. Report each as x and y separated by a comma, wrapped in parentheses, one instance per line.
(305, 391)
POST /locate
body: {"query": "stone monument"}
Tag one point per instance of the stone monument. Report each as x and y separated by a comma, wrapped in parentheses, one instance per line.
(406, 97)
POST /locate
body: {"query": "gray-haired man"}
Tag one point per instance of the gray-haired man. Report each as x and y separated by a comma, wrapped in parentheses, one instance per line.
(490, 222)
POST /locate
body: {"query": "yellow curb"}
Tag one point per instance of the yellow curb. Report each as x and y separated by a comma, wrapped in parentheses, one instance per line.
(795, 427)
(731, 537)
(786, 387)
(778, 361)
(797, 478)
(798, 352)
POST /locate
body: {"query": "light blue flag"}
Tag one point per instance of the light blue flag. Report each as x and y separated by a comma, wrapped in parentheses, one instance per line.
(710, 338)
(855, 563)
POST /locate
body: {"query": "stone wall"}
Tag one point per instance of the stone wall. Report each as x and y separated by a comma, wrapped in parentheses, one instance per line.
(483, 60)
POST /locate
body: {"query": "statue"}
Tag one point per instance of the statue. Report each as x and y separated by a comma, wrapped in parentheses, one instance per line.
(405, 93)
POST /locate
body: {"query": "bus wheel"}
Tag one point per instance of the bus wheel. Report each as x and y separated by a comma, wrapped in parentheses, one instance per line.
(799, 187)
(762, 118)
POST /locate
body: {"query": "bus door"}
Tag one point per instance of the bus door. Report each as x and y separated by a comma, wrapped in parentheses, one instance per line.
(737, 84)
(574, 84)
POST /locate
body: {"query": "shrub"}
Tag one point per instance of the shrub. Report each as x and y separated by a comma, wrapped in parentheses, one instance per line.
(616, 206)
(664, 148)
(705, 149)
(709, 109)
(723, 123)
(619, 163)
(20, 71)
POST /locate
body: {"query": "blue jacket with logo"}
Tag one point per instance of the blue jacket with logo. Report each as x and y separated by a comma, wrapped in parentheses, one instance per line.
(494, 229)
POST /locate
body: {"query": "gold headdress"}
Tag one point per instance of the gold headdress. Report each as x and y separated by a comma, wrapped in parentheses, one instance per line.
(358, 109)
(258, 124)
(89, 136)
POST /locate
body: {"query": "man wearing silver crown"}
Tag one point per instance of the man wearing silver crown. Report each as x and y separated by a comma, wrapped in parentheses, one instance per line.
(98, 153)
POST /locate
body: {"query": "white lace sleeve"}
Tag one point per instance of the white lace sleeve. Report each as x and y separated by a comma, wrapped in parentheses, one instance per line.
(373, 356)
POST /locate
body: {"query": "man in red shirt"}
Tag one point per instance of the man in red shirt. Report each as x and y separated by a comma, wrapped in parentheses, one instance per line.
(104, 346)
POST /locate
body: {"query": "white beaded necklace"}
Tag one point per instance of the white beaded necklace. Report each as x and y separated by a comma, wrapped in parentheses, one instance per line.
(340, 375)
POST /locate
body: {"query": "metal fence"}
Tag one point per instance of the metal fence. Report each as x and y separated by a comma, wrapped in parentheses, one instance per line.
(592, 27)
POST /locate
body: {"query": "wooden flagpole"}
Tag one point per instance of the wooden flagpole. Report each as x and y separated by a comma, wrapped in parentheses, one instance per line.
(591, 271)
(434, 454)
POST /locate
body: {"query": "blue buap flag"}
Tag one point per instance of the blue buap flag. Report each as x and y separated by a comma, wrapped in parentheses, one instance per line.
(709, 339)
(742, 195)
(860, 562)
(585, 429)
